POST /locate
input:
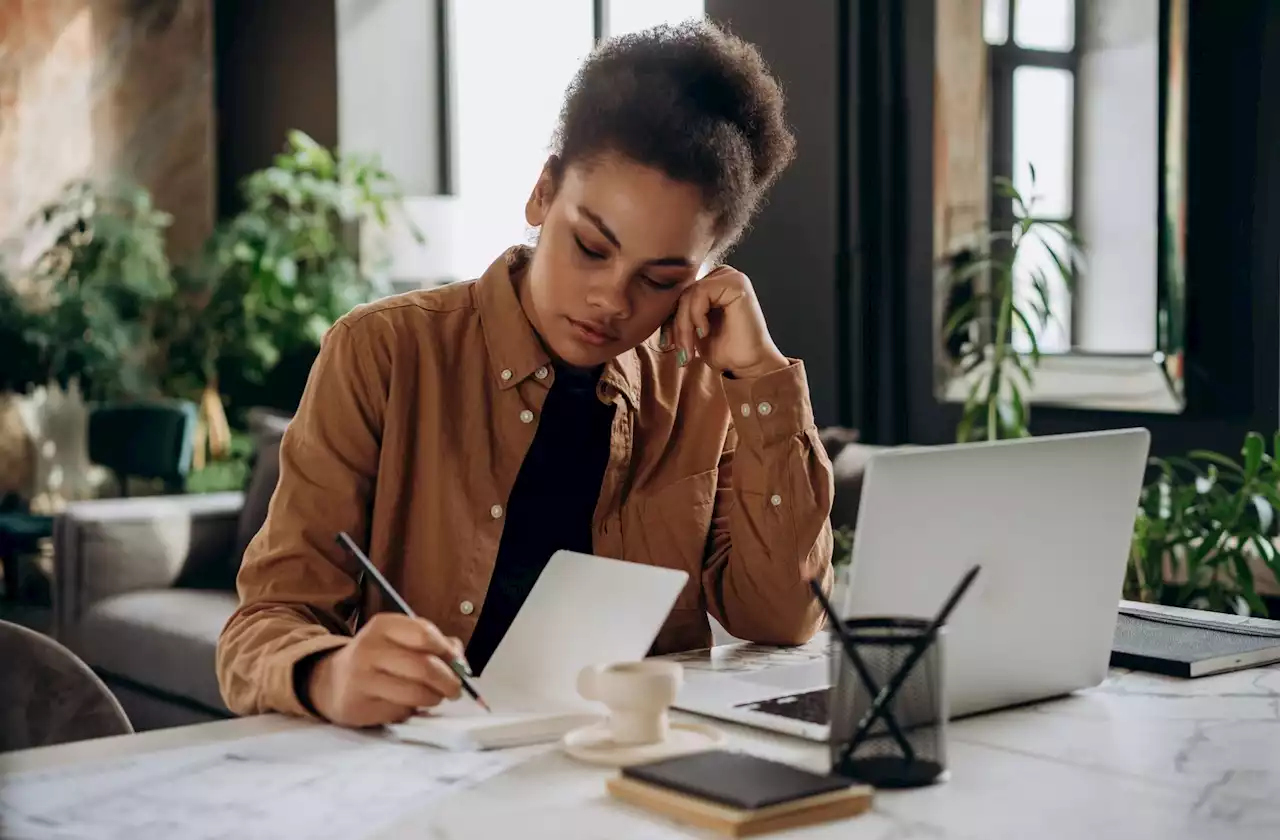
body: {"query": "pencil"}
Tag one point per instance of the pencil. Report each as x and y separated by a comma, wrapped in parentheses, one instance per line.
(456, 664)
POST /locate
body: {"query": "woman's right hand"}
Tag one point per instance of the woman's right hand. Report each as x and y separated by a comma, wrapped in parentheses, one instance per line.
(394, 666)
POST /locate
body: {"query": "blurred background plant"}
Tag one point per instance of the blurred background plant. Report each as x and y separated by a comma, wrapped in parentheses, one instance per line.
(272, 280)
(85, 308)
(1205, 529)
(989, 306)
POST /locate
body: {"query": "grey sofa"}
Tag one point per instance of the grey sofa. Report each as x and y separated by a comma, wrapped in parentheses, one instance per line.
(145, 585)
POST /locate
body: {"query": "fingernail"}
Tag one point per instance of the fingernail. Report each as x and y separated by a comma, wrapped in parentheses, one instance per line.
(701, 333)
(682, 357)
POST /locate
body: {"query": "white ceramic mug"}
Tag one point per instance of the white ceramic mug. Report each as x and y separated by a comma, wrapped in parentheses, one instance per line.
(638, 695)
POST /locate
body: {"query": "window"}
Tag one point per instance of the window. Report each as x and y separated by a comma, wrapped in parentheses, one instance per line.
(1033, 62)
(512, 61)
(623, 16)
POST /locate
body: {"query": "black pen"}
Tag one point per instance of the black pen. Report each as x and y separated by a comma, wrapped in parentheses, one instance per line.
(456, 664)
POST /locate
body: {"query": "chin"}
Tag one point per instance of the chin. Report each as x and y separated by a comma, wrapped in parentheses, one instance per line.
(573, 348)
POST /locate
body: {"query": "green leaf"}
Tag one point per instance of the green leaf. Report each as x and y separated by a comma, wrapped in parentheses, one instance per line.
(1031, 334)
(1254, 446)
(1248, 589)
(1216, 458)
(287, 271)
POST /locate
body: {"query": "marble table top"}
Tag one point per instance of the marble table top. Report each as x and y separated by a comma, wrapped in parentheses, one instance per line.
(1140, 756)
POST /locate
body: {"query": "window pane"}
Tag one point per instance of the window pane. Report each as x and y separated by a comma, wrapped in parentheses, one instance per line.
(1047, 24)
(504, 120)
(623, 16)
(1033, 257)
(1043, 109)
(995, 21)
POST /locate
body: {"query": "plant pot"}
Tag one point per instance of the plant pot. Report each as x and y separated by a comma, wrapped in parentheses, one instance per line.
(17, 449)
(58, 420)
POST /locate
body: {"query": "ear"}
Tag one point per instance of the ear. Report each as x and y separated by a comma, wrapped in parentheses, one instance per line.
(539, 203)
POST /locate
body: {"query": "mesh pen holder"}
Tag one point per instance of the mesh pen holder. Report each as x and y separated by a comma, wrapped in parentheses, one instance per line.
(902, 743)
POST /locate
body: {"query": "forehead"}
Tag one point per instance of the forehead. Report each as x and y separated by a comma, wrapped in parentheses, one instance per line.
(651, 215)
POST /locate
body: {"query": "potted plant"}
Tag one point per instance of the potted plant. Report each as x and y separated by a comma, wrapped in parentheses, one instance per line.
(276, 276)
(1205, 527)
(21, 371)
(988, 307)
(91, 293)
(78, 318)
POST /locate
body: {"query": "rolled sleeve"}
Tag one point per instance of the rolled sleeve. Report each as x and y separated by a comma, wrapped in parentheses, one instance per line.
(772, 408)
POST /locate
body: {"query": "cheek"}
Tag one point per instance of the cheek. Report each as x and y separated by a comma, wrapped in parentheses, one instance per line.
(649, 311)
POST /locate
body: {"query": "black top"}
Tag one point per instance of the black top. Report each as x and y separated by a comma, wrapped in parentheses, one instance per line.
(551, 504)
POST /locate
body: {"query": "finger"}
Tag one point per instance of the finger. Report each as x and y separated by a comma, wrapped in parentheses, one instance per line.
(666, 332)
(426, 669)
(684, 325)
(460, 653)
(699, 317)
(400, 692)
(416, 634)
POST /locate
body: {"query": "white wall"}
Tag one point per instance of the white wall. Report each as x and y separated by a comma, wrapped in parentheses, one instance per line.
(1116, 204)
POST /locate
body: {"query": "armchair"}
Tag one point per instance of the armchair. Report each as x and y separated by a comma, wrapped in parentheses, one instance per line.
(143, 587)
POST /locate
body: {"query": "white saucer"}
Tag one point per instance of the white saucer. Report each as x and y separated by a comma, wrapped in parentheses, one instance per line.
(594, 744)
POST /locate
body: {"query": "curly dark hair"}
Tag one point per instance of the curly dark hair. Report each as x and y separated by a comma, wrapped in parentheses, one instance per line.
(689, 100)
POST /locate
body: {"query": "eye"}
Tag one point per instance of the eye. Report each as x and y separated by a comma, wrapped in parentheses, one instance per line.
(587, 252)
(661, 287)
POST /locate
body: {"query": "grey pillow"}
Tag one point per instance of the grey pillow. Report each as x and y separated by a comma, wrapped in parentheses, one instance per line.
(267, 429)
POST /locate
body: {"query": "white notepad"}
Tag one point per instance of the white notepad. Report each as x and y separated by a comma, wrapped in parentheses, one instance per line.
(583, 610)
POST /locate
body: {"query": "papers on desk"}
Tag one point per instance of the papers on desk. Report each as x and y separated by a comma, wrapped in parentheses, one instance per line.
(308, 783)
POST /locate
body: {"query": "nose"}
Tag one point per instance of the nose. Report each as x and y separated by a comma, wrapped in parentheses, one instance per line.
(608, 295)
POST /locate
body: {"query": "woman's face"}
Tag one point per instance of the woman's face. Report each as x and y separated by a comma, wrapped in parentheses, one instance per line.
(619, 243)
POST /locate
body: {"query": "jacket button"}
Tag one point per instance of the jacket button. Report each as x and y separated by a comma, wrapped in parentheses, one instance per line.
(526, 416)
(541, 373)
(764, 408)
(775, 500)
(506, 374)
(746, 409)
(466, 608)
(496, 511)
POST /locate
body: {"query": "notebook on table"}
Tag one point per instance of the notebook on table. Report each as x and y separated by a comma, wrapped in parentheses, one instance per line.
(583, 610)
(738, 794)
(1185, 646)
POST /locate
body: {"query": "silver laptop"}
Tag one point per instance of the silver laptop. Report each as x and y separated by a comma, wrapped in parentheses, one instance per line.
(1050, 520)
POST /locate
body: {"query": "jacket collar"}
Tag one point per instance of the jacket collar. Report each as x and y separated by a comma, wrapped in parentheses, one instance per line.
(515, 351)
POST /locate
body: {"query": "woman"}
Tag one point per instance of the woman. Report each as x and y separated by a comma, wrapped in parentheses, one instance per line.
(591, 393)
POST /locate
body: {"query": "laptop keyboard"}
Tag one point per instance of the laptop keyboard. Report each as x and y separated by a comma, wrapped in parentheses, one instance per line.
(809, 706)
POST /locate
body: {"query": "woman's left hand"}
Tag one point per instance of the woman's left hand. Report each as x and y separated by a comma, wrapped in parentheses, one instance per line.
(719, 319)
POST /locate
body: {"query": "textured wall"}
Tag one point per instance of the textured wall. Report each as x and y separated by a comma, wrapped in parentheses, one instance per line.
(107, 87)
(960, 127)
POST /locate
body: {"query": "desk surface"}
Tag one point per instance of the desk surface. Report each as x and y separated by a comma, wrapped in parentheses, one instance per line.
(1140, 756)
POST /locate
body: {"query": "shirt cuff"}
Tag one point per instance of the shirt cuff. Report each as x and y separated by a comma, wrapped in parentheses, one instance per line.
(770, 408)
(283, 694)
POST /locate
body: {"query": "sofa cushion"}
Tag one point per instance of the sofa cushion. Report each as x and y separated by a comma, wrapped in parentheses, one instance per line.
(159, 639)
(848, 467)
(267, 429)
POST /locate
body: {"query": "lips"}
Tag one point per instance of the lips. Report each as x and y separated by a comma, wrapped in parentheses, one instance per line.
(592, 333)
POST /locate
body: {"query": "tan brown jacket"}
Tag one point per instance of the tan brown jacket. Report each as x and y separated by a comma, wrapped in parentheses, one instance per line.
(413, 424)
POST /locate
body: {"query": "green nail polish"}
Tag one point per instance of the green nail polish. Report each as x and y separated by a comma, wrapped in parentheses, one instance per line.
(681, 357)
(662, 339)
(702, 333)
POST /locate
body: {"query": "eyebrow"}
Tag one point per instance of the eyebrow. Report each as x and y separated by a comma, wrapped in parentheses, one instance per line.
(678, 262)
